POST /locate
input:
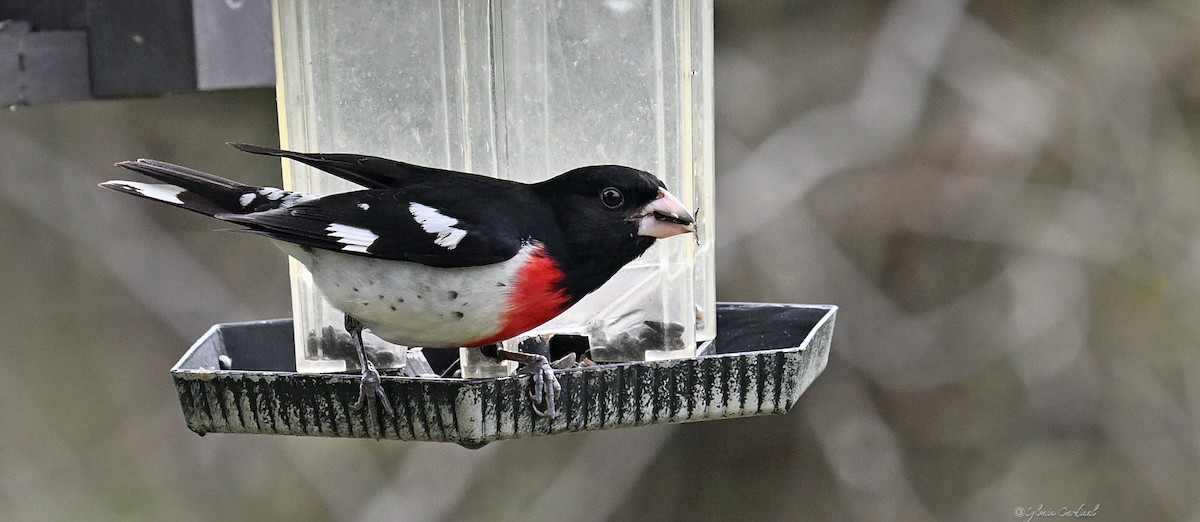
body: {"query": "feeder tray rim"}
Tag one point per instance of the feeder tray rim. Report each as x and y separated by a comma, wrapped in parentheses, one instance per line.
(215, 330)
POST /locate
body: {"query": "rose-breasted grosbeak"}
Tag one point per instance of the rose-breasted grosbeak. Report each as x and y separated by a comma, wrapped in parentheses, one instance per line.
(437, 258)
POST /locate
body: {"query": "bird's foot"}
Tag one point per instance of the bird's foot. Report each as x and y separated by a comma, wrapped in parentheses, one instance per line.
(545, 384)
(370, 390)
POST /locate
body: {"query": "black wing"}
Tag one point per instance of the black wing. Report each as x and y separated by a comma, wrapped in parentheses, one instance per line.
(433, 227)
(371, 172)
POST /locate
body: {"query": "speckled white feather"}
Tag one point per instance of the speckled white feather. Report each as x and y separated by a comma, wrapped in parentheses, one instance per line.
(413, 304)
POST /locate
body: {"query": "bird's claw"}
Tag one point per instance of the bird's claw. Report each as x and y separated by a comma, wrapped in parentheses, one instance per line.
(370, 389)
(545, 386)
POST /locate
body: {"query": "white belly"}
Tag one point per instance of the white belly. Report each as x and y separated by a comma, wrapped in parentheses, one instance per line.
(413, 304)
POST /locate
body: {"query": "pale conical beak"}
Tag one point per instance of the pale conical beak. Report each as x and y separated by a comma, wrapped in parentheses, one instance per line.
(665, 217)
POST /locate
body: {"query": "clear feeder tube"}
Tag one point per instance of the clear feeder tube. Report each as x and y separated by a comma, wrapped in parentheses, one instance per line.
(521, 90)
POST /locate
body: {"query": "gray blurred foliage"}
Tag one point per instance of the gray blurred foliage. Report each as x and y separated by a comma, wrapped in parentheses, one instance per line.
(1003, 197)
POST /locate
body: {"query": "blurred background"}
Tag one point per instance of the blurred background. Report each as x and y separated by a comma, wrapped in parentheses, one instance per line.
(1002, 197)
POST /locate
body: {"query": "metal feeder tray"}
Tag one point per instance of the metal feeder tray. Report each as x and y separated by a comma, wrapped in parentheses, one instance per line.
(765, 355)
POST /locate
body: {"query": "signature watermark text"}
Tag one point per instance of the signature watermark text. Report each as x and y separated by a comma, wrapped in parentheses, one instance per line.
(1031, 513)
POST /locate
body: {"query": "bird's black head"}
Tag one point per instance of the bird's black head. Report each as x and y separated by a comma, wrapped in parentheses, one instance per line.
(608, 215)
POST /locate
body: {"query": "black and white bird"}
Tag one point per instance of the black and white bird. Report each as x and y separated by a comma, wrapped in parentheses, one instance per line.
(438, 258)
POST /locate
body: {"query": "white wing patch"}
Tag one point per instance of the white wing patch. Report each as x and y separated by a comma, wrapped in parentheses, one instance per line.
(295, 197)
(167, 193)
(285, 198)
(272, 193)
(435, 222)
(356, 239)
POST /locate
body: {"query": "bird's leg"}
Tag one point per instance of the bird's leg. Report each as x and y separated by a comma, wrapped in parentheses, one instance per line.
(545, 384)
(370, 387)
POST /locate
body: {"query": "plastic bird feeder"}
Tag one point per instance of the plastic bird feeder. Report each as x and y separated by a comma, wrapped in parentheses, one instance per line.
(522, 91)
(525, 91)
(241, 378)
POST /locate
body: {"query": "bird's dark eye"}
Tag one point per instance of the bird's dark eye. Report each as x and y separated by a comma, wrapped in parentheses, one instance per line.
(611, 197)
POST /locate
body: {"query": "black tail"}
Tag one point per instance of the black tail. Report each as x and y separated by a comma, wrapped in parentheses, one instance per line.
(200, 191)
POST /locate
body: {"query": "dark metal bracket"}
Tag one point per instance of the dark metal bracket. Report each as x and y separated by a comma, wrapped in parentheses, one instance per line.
(67, 50)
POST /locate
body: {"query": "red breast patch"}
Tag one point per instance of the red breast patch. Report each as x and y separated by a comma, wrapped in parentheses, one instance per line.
(535, 298)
